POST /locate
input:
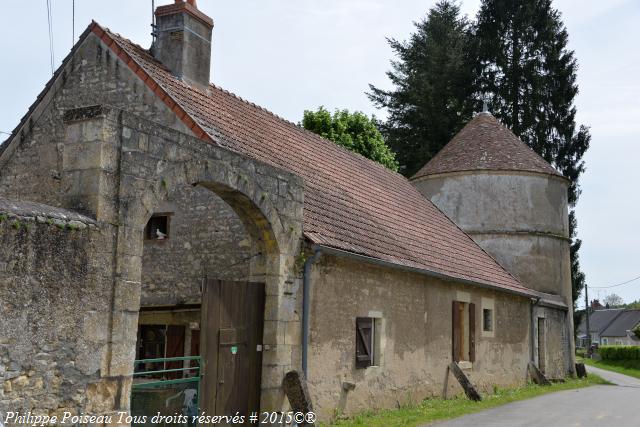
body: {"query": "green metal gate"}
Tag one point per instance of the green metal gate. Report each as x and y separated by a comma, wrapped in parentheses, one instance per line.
(161, 388)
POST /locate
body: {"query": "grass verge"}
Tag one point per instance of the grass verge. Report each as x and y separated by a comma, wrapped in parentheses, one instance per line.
(625, 367)
(439, 409)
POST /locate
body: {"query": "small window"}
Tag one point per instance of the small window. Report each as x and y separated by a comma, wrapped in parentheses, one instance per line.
(365, 342)
(487, 320)
(157, 227)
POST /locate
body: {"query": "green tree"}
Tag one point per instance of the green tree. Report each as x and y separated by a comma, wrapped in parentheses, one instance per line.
(525, 69)
(577, 276)
(432, 98)
(635, 305)
(354, 131)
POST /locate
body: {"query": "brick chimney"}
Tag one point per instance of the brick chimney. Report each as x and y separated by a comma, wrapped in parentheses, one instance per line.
(183, 41)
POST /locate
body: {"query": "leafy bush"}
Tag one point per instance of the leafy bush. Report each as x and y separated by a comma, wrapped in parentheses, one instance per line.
(354, 131)
(619, 352)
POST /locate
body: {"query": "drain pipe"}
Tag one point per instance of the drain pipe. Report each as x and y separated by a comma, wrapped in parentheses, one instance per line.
(534, 302)
(306, 302)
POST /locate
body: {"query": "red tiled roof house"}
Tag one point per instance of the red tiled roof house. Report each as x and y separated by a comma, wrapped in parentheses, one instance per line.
(214, 234)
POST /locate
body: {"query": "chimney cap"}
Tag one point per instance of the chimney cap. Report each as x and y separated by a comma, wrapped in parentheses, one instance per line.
(180, 6)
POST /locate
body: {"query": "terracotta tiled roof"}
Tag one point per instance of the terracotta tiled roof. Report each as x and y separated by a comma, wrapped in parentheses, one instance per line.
(351, 203)
(486, 144)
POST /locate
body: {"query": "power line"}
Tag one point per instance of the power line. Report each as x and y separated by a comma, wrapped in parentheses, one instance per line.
(50, 22)
(6, 133)
(616, 285)
(73, 22)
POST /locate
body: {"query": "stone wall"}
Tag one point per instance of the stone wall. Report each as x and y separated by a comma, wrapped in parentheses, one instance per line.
(558, 345)
(206, 239)
(55, 302)
(521, 219)
(416, 336)
(92, 76)
(172, 272)
(159, 163)
(120, 169)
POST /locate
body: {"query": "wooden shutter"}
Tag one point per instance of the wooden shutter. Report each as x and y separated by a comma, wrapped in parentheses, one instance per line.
(456, 331)
(364, 342)
(472, 332)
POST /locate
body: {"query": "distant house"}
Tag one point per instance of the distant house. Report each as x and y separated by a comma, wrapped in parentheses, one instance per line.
(599, 320)
(610, 327)
(620, 331)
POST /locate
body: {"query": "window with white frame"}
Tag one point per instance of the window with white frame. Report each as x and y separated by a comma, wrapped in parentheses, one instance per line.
(487, 320)
(488, 317)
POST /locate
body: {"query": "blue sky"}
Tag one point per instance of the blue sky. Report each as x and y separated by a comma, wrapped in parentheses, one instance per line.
(292, 55)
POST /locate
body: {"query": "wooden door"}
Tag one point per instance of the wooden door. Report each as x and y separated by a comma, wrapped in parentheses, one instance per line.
(174, 348)
(541, 345)
(464, 331)
(231, 342)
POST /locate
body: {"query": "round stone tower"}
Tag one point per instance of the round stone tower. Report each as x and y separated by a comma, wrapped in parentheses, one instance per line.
(508, 199)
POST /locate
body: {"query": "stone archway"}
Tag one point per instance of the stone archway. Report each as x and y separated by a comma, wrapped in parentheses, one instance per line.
(267, 200)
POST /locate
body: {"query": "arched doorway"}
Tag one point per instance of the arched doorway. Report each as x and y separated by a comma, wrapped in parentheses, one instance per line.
(208, 228)
(200, 329)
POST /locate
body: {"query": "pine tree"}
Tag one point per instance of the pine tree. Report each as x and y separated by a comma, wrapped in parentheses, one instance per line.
(433, 90)
(577, 276)
(525, 68)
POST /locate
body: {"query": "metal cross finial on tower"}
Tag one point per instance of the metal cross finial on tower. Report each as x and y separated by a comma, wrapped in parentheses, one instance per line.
(485, 103)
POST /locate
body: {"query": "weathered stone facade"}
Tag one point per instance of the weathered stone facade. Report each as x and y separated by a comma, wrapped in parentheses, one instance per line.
(55, 282)
(557, 349)
(207, 239)
(415, 313)
(128, 168)
(521, 219)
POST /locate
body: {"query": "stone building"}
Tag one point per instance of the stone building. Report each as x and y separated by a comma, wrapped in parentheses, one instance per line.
(148, 214)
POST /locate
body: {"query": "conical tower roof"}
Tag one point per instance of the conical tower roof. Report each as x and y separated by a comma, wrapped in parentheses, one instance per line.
(486, 144)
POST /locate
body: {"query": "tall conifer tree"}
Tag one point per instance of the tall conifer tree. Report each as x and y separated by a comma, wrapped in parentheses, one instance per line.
(433, 89)
(525, 68)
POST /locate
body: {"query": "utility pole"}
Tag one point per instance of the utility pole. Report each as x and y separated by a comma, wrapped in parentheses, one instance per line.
(586, 309)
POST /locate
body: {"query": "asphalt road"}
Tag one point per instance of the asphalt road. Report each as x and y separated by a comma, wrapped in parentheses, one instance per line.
(615, 405)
